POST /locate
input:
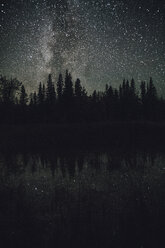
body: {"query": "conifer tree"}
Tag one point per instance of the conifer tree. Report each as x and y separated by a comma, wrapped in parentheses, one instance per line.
(44, 93)
(143, 91)
(68, 87)
(133, 90)
(23, 96)
(50, 91)
(78, 88)
(151, 92)
(35, 98)
(60, 87)
(40, 94)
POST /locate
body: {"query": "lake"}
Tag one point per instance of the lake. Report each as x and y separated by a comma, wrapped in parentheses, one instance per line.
(82, 198)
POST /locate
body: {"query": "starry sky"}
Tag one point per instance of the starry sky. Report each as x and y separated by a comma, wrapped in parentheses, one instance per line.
(99, 41)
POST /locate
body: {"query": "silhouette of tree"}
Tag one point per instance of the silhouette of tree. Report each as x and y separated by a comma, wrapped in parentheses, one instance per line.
(50, 91)
(23, 96)
(151, 91)
(9, 89)
(68, 98)
(60, 87)
(44, 93)
(68, 86)
(78, 89)
(129, 101)
(94, 96)
(151, 101)
(133, 101)
(143, 91)
(40, 96)
(74, 104)
(35, 98)
(31, 100)
(111, 101)
(79, 101)
(133, 89)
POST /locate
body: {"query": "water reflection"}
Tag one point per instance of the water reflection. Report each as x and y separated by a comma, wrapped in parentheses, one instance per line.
(82, 199)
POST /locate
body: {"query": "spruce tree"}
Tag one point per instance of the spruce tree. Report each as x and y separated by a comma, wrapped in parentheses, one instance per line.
(78, 88)
(40, 94)
(143, 91)
(68, 87)
(50, 91)
(23, 97)
(60, 87)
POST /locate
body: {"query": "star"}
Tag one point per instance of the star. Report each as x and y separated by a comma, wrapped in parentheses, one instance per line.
(99, 42)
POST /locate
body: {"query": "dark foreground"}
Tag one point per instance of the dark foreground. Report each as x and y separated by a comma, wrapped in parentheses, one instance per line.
(81, 135)
(91, 186)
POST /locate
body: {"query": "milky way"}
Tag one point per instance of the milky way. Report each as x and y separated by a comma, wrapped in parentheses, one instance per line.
(99, 41)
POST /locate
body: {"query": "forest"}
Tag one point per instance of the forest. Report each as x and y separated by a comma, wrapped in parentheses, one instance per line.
(69, 102)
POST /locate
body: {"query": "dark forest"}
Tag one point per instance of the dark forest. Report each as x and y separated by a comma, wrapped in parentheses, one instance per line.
(68, 102)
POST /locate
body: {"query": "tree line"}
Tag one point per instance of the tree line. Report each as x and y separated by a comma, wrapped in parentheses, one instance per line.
(65, 101)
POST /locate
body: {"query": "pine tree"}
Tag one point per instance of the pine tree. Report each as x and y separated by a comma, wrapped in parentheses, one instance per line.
(50, 91)
(133, 90)
(68, 87)
(110, 92)
(31, 99)
(78, 88)
(23, 97)
(9, 89)
(124, 86)
(151, 92)
(44, 93)
(60, 87)
(94, 96)
(40, 96)
(143, 91)
(35, 98)
(84, 93)
(127, 88)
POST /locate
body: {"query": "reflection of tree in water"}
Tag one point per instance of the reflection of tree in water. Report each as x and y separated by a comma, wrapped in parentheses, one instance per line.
(112, 160)
(59, 194)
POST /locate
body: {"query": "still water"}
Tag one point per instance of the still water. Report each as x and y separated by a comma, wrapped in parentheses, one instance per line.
(82, 199)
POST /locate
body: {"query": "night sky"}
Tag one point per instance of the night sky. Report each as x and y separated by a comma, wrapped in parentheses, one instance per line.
(99, 41)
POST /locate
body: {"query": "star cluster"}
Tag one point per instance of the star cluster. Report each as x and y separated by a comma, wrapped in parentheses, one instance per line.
(99, 41)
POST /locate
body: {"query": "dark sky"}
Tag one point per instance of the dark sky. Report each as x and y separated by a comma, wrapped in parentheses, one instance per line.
(99, 41)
